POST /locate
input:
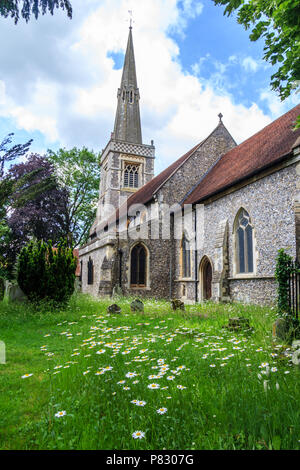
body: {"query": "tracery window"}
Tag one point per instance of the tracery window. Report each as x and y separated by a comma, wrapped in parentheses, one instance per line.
(131, 176)
(138, 266)
(186, 257)
(244, 243)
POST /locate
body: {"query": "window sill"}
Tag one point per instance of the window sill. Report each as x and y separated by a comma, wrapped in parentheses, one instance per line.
(131, 190)
(239, 277)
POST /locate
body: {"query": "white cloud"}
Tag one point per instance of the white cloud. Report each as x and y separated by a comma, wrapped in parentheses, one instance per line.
(249, 64)
(65, 85)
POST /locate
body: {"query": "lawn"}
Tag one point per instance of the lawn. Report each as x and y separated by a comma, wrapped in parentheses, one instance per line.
(78, 378)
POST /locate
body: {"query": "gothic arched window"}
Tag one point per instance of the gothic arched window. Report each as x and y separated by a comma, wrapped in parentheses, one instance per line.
(186, 257)
(131, 176)
(138, 266)
(90, 266)
(244, 243)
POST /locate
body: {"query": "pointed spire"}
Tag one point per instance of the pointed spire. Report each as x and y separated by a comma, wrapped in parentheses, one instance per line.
(127, 123)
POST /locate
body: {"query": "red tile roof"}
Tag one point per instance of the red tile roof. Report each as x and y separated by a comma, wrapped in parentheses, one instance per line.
(265, 148)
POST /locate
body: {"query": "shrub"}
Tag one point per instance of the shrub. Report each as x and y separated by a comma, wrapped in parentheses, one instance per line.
(284, 266)
(45, 272)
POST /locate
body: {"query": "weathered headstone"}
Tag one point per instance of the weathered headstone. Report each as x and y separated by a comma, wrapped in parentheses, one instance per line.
(238, 323)
(117, 291)
(281, 328)
(15, 294)
(177, 304)
(137, 306)
(114, 308)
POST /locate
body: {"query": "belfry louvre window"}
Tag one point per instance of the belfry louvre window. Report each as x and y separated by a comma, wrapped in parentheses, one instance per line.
(244, 243)
(186, 257)
(90, 266)
(138, 266)
(131, 176)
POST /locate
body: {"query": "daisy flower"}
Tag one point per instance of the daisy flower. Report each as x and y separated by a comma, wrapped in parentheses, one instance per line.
(138, 435)
(130, 375)
(153, 386)
(141, 403)
(101, 351)
(26, 375)
(181, 387)
(162, 411)
(59, 414)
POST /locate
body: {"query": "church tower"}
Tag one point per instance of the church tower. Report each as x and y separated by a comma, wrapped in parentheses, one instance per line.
(126, 163)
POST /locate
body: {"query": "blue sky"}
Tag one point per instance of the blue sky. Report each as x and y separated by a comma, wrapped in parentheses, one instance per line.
(59, 78)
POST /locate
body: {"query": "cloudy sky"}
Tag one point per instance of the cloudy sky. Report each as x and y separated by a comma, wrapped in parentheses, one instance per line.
(59, 77)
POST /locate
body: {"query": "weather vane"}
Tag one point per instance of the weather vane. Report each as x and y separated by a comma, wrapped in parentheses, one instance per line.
(130, 18)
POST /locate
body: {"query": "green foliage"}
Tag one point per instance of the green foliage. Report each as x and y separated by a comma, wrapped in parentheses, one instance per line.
(2, 289)
(78, 172)
(46, 273)
(27, 8)
(284, 266)
(278, 23)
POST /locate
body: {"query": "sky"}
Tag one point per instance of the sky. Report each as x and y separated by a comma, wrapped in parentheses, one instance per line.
(59, 77)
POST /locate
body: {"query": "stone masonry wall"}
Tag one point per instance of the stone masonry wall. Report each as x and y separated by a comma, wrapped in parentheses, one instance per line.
(270, 204)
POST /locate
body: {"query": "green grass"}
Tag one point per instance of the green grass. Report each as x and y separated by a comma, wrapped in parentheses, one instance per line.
(224, 401)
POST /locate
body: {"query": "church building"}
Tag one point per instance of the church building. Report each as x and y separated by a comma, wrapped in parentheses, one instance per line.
(208, 227)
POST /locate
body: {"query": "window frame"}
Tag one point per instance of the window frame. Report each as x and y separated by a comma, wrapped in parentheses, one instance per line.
(136, 175)
(242, 240)
(185, 256)
(146, 267)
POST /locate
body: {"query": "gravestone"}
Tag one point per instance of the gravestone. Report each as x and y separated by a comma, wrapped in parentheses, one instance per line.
(238, 323)
(15, 294)
(117, 291)
(177, 304)
(137, 306)
(114, 308)
(281, 328)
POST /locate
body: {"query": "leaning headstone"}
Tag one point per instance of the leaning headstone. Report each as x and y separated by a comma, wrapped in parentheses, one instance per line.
(137, 306)
(281, 328)
(15, 294)
(177, 304)
(114, 308)
(238, 323)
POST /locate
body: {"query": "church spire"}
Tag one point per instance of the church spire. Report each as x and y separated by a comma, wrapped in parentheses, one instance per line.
(128, 123)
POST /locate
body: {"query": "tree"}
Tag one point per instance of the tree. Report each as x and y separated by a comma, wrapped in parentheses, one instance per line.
(36, 209)
(38, 204)
(77, 171)
(47, 273)
(8, 153)
(26, 8)
(278, 23)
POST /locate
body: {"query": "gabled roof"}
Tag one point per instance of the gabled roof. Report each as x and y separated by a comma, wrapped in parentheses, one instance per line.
(264, 149)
